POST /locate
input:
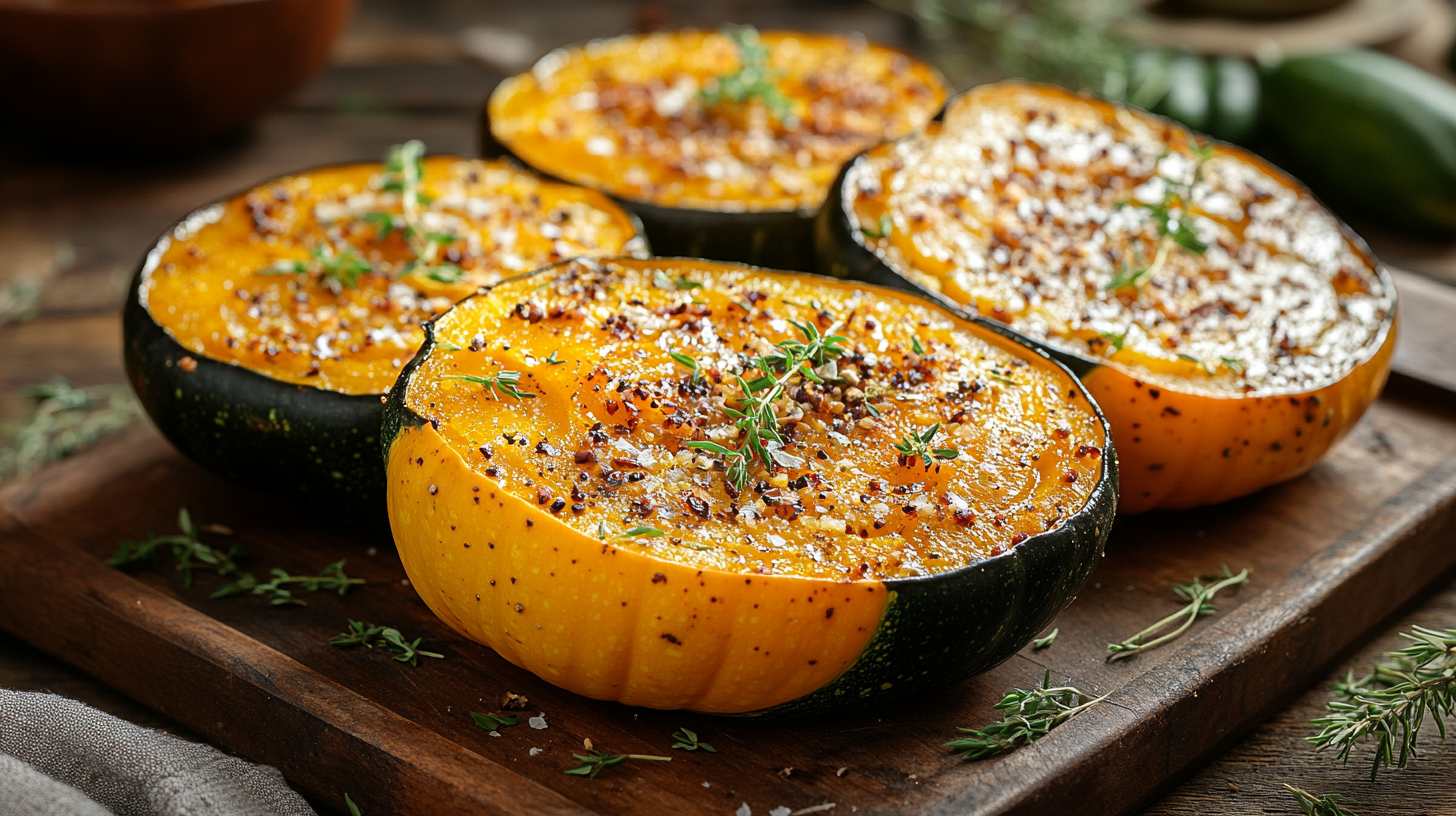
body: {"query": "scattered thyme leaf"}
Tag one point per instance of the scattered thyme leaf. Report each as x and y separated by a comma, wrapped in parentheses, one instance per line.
(1199, 596)
(1028, 715)
(662, 281)
(687, 361)
(885, 226)
(915, 345)
(494, 722)
(384, 638)
(552, 359)
(1115, 341)
(641, 531)
(687, 740)
(1042, 643)
(353, 808)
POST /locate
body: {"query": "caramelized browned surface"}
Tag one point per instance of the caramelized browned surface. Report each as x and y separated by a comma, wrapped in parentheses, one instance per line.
(626, 116)
(602, 444)
(209, 285)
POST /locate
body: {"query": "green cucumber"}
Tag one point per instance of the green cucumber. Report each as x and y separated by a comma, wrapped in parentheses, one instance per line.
(1369, 133)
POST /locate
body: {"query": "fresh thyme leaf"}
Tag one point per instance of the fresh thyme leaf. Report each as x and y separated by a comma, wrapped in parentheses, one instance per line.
(662, 281)
(284, 268)
(687, 740)
(1115, 341)
(1028, 715)
(64, 421)
(1233, 364)
(689, 362)
(915, 345)
(1199, 596)
(445, 273)
(552, 359)
(1390, 704)
(353, 808)
(19, 301)
(1128, 278)
(641, 531)
(886, 226)
(594, 762)
(506, 382)
(754, 78)
(1330, 804)
(1208, 367)
(493, 722)
(1173, 220)
(1042, 643)
(1001, 378)
(384, 638)
(384, 224)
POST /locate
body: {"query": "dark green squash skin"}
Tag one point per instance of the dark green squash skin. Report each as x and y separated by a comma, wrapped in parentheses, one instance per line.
(308, 443)
(778, 239)
(994, 607)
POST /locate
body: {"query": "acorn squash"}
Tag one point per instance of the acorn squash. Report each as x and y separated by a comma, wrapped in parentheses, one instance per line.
(685, 484)
(1229, 326)
(262, 331)
(723, 143)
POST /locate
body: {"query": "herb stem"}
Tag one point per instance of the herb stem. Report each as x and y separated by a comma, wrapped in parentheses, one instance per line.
(1199, 599)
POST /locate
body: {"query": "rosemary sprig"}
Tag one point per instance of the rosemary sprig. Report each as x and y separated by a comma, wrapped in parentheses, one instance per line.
(506, 382)
(756, 419)
(65, 420)
(1329, 804)
(385, 638)
(915, 447)
(330, 577)
(594, 762)
(753, 79)
(1028, 715)
(1390, 704)
(493, 722)
(687, 740)
(1200, 603)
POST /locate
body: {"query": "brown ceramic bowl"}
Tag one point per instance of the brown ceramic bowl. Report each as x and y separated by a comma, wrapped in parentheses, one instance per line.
(155, 73)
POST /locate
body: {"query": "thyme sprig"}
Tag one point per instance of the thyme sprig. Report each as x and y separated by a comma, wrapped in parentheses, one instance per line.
(337, 269)
(1028, 715)
(754, 78)
(385, 638)
(1329, 804)
(755, 417)
(596, 761)
(1199, 596)
(915, 448)
(1173, 220)
(330, 577)
(191, 555)
(65, 420)
(506, 382)
(687, 740)
(404, 173)
(1390, 704)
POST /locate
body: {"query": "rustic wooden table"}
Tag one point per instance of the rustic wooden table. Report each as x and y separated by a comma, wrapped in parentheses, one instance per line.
(75, 225)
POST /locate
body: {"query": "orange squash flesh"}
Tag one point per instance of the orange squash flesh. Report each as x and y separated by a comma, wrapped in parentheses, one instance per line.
(1228, 356)
(209, 289)
(573, 530)
(627, 116)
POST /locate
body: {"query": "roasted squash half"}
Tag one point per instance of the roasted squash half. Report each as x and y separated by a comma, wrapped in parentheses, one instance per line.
(724, 144)
(262, 331)
(685, 484)
(1230, 327)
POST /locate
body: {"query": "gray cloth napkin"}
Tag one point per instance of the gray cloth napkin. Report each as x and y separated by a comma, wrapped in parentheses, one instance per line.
(59, 757)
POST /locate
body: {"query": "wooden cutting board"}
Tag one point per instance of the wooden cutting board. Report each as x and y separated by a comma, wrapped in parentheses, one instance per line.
(1332, 556)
